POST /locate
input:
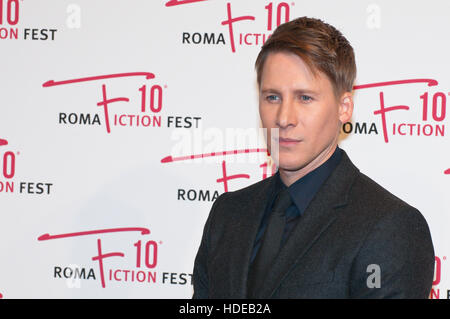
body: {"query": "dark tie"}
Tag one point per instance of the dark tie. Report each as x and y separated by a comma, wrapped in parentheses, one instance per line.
(271, 242)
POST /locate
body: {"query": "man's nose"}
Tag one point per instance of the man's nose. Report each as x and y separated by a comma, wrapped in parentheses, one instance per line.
(286, 115)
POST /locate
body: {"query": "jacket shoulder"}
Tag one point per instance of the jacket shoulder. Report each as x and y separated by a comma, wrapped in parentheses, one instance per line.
(372, 201)
(374, 194)
(247, 193)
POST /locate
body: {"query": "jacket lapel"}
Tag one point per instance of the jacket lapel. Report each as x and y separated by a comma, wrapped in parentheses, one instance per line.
(319, 215)
(242, 236)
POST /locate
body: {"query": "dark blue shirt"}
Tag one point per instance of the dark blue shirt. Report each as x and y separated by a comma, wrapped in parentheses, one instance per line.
(302, 192)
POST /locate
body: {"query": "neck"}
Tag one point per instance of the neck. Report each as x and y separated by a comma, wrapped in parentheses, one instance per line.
(291, 176)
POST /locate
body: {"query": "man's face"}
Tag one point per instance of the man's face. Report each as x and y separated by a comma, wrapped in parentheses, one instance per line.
(304, 109)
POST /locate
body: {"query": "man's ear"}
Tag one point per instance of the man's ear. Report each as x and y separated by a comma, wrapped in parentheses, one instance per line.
(346, 107)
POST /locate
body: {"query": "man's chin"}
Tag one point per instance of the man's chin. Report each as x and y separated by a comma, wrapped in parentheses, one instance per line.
(290, 166)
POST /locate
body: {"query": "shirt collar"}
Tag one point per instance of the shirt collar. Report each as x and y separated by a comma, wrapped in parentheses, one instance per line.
(304, 189)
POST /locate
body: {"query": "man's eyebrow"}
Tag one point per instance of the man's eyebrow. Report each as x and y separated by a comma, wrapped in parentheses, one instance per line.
(270, 91)
(297, 91)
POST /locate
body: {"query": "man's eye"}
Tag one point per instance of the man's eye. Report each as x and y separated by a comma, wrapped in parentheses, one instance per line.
(272, 98)
(305, 98)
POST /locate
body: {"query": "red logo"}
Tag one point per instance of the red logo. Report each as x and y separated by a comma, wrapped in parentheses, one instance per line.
(435, 291)
(9, 13)
(256, 38)
(172, 3)
(8, 170)
(9, 18)
(224, 178)
(276, 15)
(432, 107)
(8, 162)
(150, 97)
(146, 256)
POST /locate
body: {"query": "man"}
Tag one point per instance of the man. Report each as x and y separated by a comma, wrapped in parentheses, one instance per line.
(318, 228)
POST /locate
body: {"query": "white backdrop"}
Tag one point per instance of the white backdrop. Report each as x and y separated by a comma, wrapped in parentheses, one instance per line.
(89, 208)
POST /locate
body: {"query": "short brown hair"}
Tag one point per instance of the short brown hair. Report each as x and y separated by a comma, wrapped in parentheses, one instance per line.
(321, 46)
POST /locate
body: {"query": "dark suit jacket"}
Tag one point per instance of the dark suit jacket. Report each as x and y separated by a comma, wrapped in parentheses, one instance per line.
(351, 224)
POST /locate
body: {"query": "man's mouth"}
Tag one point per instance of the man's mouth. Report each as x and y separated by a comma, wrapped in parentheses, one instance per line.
(286, 141)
